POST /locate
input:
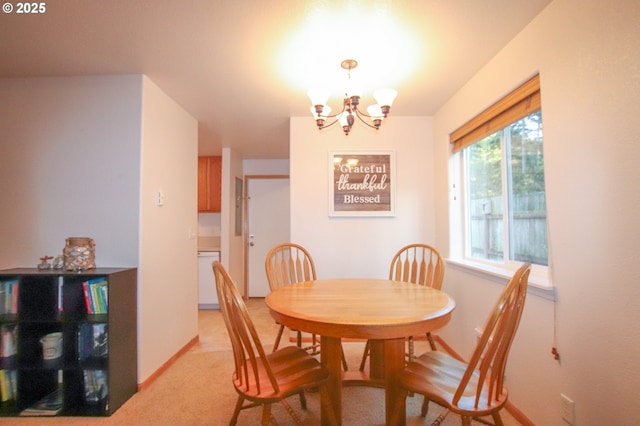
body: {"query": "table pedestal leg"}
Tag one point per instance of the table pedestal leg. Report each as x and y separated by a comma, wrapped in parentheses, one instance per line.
(376, 359)
(393, 366)
(387, 362)
(331, 358)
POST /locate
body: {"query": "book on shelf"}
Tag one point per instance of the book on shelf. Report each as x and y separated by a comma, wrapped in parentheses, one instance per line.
(8, 385)
(50, 405)
(104, 297)
(8, 340)
(60, 295)
(4, 386)
(93, 341)
(95, 386)
(9, 297)
(96, 295)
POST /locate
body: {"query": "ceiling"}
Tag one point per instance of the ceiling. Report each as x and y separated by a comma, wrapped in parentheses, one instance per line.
(243, 67)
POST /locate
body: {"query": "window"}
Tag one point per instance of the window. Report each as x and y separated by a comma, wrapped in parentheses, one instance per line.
(504, 190)
(502, 213)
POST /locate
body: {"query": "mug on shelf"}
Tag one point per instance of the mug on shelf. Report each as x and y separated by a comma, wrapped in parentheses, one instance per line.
(51, 346)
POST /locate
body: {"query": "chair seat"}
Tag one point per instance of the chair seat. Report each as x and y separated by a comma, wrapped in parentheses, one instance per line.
(292, 367)
(437, 375)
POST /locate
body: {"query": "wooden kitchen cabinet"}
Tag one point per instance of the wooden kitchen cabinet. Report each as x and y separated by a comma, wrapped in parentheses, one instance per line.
(209, 184)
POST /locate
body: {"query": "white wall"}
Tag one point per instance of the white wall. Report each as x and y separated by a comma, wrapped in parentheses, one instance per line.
(209, 224)
(232, 245)
(82, 156)
(587, 56)
(168, 290)
(69, 167)
(266, 167)
(348, 246)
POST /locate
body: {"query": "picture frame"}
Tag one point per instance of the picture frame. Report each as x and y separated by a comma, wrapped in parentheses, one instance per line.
(362, 183)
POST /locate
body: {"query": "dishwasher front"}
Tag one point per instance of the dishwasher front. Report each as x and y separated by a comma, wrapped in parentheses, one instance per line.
(207, 295)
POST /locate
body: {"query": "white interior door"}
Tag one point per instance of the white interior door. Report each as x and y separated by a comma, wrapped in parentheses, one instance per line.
(268, 219)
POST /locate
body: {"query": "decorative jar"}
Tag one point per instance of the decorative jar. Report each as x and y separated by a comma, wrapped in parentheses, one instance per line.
(79, 254)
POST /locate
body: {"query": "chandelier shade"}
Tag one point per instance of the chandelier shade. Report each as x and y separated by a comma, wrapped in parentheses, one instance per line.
(350, 104)
(318, 96)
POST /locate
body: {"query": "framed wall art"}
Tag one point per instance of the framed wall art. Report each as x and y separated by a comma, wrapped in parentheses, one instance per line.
(362, 183)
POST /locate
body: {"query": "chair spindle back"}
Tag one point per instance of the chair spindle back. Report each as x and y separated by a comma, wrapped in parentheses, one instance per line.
(288, 263)
(252, 368)
(418, 264)
(488, 362)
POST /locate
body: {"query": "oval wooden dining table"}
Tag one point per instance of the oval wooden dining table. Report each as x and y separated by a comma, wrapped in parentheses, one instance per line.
(383, 311)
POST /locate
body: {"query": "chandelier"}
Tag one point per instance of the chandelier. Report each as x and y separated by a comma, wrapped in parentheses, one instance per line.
(376, 113)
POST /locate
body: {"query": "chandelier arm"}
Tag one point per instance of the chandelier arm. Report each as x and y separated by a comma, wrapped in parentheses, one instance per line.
(330, 124)
(358, 114)
(362, 113)
(332, 115)
(336, 114)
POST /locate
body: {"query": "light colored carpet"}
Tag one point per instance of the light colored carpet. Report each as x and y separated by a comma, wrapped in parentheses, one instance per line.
(196, 390)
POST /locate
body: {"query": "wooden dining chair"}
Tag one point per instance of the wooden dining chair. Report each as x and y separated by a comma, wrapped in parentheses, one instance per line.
(476, 388)
(419, 264)
(260, 378)
(286, 264)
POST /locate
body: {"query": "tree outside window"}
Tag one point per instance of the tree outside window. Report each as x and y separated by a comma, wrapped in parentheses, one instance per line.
(505, 180)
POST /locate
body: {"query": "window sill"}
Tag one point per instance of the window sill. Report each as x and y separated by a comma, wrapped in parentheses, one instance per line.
(538, 286)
